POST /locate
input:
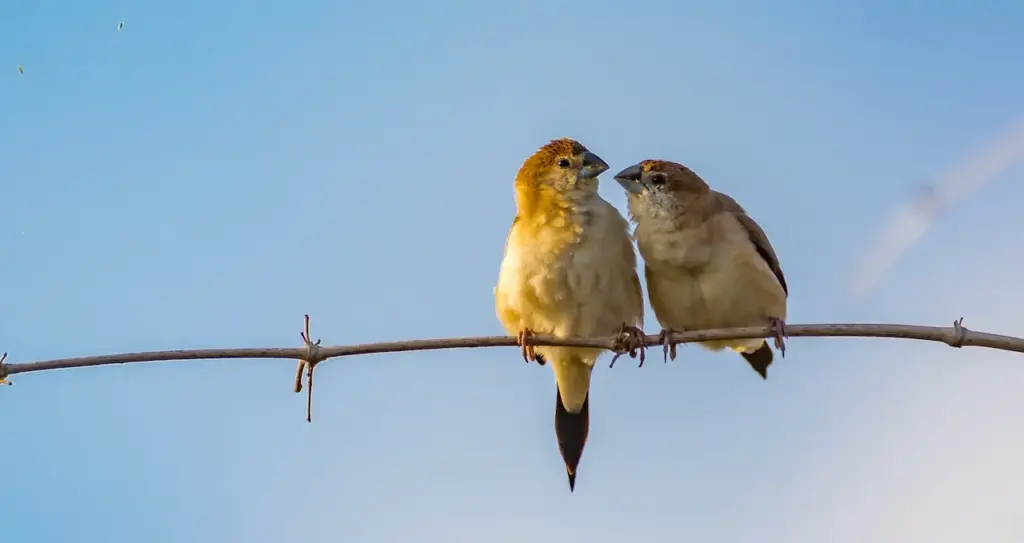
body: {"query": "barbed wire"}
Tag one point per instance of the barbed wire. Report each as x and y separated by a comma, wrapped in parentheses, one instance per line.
(312, 353)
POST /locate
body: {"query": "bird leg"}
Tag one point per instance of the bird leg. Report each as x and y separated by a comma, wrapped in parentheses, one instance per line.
(668, 348)
(523, 340)
(631, 340)
(778, 327)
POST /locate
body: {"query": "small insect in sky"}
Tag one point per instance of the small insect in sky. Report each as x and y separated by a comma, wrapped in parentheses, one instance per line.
(21, 70)
(120, 26)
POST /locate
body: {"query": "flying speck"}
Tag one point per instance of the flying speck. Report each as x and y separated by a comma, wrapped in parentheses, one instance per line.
(912, 220)
(120, 26)
(21, 70)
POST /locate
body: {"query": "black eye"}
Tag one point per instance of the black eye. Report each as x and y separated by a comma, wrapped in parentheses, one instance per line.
(563, 163)
(658, 179)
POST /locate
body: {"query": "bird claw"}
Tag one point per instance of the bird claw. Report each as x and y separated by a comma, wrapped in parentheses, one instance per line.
(631, 341)
(778, 327)
(668, 348)
(529, 354)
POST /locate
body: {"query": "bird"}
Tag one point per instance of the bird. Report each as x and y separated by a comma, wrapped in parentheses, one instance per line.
(21, 70)
(708, 264)
(568, 270)
(120, 26)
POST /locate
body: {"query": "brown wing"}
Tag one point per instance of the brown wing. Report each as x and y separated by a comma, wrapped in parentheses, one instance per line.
(757, 236)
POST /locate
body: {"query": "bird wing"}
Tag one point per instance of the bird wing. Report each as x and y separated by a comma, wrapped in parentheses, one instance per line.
(757, 236)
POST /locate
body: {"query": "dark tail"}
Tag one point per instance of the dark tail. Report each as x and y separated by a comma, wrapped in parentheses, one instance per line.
(571, 430)
(760, 359)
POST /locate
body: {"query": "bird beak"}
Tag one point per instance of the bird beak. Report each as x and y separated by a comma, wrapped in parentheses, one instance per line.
(630, 179)
(593, 166)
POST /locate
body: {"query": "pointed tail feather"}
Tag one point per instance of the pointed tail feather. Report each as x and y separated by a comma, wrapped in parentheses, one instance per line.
(760, 359)
(571, 430)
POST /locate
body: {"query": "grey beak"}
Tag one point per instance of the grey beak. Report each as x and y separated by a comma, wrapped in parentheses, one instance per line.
(593, 166)
(630, 179)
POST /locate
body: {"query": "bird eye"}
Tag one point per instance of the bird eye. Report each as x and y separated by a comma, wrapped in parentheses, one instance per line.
(658, 179)
(563, 163)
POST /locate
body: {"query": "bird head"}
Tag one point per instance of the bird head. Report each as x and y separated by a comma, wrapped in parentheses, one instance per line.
(660, 188)
(563, 169)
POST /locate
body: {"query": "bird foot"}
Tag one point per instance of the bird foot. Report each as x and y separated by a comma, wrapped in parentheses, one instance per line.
(778, 327)
(631, 341)
(523, 340)
(668, 348)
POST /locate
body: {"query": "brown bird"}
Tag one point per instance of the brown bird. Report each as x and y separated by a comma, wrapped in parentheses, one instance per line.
(569, 270)
(708, 264)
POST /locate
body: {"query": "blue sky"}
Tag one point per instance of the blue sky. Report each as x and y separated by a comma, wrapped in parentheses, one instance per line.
(216, 170)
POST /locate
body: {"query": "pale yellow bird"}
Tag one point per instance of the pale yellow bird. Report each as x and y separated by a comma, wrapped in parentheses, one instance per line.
(569, 270)
(708, 264)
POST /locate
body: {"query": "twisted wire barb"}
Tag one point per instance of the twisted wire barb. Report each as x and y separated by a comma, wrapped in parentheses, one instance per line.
(313, 353)
(309, 362)
(3, 370)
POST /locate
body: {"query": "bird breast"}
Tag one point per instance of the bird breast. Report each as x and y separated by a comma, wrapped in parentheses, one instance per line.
(667, 247)
(568, 279)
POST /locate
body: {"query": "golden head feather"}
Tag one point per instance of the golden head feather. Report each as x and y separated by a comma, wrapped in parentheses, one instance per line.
(555, 175)
(547, 157)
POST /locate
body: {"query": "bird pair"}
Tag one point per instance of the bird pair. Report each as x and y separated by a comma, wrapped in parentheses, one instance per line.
(569, 270)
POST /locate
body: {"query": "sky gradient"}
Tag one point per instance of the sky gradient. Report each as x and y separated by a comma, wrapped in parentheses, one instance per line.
(216, 170)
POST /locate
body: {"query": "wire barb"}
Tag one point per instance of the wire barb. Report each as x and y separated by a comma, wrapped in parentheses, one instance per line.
(309, 362)
(959, 333)
(3, 370)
